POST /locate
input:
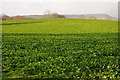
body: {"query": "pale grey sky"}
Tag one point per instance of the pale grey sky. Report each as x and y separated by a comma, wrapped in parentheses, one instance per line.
(59, 0)
(35, 7)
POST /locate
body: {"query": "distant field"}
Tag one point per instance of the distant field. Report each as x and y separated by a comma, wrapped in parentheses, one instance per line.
(60, 26)
(60, 48)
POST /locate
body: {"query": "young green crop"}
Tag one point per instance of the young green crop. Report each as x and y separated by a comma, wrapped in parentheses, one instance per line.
(60, 48)
(60, 56)
(60, 26)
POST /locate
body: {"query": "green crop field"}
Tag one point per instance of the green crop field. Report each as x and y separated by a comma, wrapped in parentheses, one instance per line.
(60, 48)
(60, 26)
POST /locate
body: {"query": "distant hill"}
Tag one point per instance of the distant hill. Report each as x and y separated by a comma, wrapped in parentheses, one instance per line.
(33, 16)
(97, 15)
(75, 16)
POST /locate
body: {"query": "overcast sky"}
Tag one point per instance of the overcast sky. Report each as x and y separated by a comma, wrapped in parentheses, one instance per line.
(36, 7)
(59, 0)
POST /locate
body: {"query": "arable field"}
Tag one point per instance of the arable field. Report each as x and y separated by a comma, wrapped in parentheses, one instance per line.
(60, 26)
(60, 48)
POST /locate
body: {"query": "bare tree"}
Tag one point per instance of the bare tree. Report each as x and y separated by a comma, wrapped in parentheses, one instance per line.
(19, 18)
(82, 16)
(5, 17)
(48, 12)
(92, 17)
(49, 15)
